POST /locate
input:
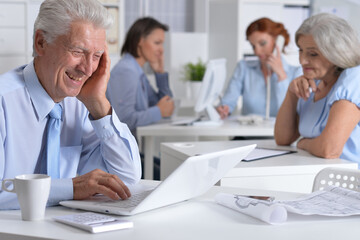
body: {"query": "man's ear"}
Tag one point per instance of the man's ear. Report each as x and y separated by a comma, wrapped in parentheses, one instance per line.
(39, 42)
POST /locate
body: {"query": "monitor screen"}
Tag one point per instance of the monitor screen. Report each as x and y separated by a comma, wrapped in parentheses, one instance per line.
(211, 88)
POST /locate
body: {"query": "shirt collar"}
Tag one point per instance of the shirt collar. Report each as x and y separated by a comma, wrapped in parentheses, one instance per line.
(41, 100)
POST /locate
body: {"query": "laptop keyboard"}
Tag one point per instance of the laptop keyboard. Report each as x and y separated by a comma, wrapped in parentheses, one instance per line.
(131, 202)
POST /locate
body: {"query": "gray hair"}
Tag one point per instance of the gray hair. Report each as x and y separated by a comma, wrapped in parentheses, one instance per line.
(336, 39)
(56, 16)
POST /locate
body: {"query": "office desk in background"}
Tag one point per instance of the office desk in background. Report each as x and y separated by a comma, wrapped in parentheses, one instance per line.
(293, 172)
(230, 128)
(199, 218)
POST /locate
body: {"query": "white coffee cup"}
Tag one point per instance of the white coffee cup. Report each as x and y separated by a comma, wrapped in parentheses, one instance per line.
(33, 192)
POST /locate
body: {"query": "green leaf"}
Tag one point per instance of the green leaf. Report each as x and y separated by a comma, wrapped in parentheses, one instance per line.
(194, 72)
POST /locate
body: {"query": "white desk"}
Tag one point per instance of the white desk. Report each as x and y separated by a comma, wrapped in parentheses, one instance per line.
(200, 218)
(228, 129)
(291, 173)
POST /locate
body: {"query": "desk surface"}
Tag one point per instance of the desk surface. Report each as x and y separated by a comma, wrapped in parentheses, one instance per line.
(200, 218)
(291, 172)
(231, 127)
(301, 158)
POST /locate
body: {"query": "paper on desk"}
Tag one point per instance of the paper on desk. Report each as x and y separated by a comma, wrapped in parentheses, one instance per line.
(261, 153)
(332, 201)
(261, 209)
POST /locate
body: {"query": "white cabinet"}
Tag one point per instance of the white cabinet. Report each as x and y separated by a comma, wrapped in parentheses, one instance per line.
(228, 20)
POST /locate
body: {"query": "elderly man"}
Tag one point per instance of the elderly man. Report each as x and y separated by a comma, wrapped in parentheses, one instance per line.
(54, 115)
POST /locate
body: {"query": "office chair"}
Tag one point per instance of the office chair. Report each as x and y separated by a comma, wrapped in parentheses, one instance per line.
(341, 177)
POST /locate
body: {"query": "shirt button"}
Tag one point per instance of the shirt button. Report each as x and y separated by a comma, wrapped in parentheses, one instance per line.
(105, 127)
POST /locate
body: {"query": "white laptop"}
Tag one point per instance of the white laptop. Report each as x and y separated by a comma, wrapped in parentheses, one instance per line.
(192, 178)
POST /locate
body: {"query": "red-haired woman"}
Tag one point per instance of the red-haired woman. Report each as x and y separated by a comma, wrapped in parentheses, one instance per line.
(249, 77)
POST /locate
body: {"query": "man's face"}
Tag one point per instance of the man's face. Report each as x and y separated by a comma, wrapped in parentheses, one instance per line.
(65, 64)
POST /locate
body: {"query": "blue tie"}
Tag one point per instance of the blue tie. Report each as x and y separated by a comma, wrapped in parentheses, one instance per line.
(51, 158)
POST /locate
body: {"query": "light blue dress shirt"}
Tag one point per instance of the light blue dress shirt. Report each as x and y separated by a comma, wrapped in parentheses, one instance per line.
(248, 81)
(314, 115)
(86, 144)
(131, 94)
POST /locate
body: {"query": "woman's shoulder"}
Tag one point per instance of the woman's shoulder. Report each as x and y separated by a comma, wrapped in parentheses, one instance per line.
(348, 85)
(126, 66)
(350, 77)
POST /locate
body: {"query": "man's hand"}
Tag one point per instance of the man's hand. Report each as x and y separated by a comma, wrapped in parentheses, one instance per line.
(98, 181)
(93, 93)
(166, 105)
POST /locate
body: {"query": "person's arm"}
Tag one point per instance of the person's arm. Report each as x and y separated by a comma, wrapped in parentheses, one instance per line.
(223, 110)
(276, 65)
(343, 117)
(107, 159)
(163, 98)
(7, 200)
(235, 88)
(117, 152)
(287, 120)
(162, 81)
(93, 93)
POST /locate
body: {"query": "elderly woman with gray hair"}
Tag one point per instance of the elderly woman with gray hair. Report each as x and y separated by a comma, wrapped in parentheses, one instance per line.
(323, 105)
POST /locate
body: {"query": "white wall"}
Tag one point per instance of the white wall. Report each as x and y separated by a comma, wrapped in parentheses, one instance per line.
(180, 49)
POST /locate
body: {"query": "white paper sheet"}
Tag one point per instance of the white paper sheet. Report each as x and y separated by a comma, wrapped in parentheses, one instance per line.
(333, 201)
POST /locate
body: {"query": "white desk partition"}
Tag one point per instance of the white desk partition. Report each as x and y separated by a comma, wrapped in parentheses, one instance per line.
(199, 218)
(293, 172)
(230, 128)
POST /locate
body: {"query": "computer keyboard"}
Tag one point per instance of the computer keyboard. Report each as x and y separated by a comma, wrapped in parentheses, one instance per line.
(131, 202)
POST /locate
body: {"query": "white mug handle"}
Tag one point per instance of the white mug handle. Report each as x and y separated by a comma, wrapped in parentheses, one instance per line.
(5, 188)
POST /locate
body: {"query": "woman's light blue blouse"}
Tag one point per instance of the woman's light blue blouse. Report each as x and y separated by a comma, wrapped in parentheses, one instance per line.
(314, 115)
(248, 81)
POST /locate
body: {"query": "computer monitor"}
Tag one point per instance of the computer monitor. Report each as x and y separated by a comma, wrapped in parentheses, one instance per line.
(211, 88)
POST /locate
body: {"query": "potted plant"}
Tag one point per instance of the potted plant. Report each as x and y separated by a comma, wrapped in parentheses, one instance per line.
(194, 73)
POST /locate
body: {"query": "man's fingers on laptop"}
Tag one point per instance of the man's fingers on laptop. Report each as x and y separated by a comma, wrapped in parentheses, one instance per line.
(123, 187)
(114, 183)
(109, 193)
(98, 181)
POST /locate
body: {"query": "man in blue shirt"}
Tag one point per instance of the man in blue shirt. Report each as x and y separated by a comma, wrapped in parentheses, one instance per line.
(71, 67)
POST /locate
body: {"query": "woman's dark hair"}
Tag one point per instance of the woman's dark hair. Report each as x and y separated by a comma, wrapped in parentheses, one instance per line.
(141, 28)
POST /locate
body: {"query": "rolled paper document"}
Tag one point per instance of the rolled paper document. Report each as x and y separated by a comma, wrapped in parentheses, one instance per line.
(264, 210)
